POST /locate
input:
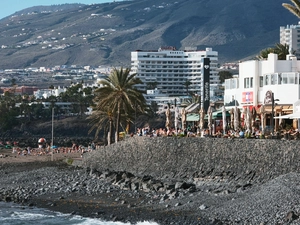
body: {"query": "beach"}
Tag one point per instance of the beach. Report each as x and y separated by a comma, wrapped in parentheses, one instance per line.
(39, 182)
(65, 185)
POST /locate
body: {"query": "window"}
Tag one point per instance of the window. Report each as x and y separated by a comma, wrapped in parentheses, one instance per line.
(284, 78)
(246, 82)
(291, 78)
(273, 79)
(267, 79)
(261, 81)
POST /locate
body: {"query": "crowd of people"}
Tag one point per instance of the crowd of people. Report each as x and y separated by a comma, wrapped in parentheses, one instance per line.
(46, 149)
(194, 131)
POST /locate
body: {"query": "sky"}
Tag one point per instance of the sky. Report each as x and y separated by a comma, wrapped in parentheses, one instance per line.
(8, 7)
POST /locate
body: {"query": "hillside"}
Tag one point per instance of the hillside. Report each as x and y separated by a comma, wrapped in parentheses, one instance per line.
(105, 34)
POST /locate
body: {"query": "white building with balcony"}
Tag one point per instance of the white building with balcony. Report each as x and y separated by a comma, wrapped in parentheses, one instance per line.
(257, 81)
(170, 69)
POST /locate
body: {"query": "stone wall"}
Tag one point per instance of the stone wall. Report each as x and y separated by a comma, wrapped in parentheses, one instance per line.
(181, 158)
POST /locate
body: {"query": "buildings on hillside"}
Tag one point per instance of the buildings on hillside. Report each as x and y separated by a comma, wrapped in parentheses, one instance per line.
(174, 72)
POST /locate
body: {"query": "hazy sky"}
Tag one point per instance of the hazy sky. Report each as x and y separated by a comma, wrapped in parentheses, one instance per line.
(8, 7)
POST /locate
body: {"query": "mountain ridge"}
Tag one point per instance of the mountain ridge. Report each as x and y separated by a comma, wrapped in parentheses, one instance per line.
(105, 34)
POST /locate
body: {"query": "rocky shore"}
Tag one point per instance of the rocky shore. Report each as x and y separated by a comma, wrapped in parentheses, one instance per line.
(174, 196)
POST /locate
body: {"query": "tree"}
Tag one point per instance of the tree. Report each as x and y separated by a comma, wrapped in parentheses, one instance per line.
(295, 9)
(282, 50)
(119, 96)
(224, 75)
(187, 84)
(102, 118)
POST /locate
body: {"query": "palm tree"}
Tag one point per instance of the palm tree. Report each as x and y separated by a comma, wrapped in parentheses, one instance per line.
(280, 49)
(102, 118)
(187, 84)
(295, 9)
(119, 95)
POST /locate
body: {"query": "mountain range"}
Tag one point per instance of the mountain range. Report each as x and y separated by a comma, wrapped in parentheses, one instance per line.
(105, 34)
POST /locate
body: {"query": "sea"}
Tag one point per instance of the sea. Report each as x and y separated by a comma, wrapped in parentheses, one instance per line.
(13, 214)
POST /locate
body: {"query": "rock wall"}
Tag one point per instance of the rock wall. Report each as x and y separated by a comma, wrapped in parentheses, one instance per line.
(187, 159)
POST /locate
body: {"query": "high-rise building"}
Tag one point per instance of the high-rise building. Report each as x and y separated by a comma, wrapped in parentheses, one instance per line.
(174, 72)
(290, 35)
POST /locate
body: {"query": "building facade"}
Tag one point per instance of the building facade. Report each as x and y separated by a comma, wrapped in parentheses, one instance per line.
(171, 69)
(290, 35)
(258, 80)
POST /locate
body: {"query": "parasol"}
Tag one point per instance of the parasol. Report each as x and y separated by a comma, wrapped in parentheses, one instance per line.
(236, 120)
(168, 119)
(248, 119)
(201, 118)
(262, 114)
(224, 119)
(183, 118)
(209, 113)
(176, 120)
(42, 140)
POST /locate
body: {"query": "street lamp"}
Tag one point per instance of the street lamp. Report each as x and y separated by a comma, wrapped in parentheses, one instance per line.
(272, 113)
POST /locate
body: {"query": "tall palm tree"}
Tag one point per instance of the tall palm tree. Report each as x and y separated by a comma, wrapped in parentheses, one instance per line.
(187, 84)
(295, 9)
(119, 94)
(102, 118)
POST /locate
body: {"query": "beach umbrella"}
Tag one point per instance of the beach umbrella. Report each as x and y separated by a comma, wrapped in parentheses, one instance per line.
(183, 118)
(201, 118)
(209, 114)
(176, 119)
(168, 119)
(42, 140)
(248, 119)
(262, 114)
(231, 117)
(224, 119)
(236, 121)
(254, 114)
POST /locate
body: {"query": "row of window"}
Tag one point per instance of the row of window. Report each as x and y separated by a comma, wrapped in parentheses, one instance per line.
(154, 67)
(273, 79)
(279, 78)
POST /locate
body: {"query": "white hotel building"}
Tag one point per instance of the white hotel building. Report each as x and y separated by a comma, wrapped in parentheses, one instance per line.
(290, 35)
(171, 68)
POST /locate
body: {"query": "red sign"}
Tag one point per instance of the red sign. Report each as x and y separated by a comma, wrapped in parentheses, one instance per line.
(247, 97)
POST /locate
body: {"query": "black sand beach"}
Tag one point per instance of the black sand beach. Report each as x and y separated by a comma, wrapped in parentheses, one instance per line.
(39, 182)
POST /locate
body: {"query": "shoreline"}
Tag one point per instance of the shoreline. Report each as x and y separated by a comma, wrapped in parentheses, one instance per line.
(69, 193)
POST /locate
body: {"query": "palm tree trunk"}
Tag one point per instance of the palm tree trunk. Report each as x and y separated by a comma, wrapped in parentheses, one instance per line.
(109, 136)
(118, 122)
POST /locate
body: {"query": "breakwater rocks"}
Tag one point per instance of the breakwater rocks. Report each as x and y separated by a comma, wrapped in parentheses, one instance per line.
(219, 176)
(191, 159)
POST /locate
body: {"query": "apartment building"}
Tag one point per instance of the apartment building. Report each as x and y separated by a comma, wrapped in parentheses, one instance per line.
(290, 35)
(170, 69)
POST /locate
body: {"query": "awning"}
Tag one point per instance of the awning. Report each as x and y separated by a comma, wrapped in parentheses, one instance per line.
(192, 107)
(217, 115)
(282, 117)
(192, 117)
(289, 116)
(268, 108)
